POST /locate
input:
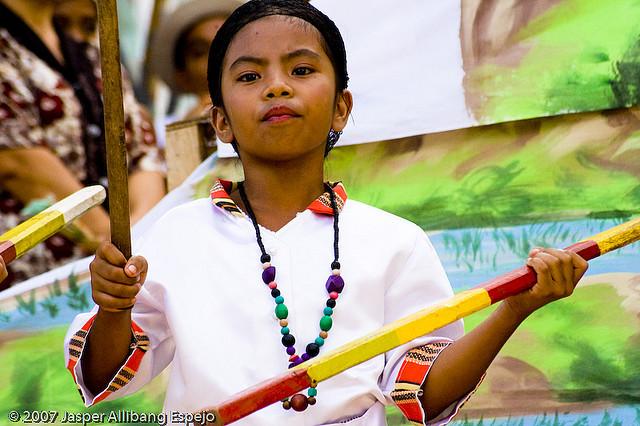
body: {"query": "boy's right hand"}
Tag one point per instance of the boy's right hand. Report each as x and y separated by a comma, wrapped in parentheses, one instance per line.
(115, 282)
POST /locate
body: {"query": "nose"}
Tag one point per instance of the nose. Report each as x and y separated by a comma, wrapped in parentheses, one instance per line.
(278, 87)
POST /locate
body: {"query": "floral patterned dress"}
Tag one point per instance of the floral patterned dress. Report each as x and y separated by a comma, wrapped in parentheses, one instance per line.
(59, 107)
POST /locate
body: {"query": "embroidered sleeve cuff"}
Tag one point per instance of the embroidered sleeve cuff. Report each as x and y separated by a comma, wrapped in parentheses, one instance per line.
(138, 348)
(408, 387)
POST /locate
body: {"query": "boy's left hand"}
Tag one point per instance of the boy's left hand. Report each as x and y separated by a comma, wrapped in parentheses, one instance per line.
(558, 273)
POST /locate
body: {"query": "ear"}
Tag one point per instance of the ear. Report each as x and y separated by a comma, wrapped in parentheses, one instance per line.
(342, 110)
(221, 123)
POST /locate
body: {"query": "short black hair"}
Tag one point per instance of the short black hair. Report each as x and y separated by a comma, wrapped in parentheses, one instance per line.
(253, 10)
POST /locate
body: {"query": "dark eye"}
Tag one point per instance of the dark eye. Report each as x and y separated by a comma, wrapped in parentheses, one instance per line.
(89, 26)
(302, 71)
(197, 49)
(248, 77)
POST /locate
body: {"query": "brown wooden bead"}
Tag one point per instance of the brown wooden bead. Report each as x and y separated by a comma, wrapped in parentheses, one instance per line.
(286, 404)
(299, 402)
(311, 400)
(323, 334)
(284, 323)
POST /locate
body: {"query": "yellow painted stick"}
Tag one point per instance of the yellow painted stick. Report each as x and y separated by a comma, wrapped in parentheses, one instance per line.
(25, 236)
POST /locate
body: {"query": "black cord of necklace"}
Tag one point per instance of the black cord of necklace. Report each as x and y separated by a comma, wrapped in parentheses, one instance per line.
(265, 257)
(336, 255)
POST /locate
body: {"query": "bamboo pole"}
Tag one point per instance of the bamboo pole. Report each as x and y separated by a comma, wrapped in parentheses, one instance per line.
(407, 329)
(114, 126)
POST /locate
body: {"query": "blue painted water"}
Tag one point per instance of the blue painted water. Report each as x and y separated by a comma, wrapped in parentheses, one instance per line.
(472, 256)
(66, 308)
(628, 415)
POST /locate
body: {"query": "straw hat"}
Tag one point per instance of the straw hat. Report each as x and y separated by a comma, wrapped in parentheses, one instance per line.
(174, 24)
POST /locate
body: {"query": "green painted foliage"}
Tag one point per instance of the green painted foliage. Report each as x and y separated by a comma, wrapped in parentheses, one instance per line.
(581, 55)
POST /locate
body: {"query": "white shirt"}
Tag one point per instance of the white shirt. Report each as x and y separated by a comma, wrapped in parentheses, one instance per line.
(205, 308)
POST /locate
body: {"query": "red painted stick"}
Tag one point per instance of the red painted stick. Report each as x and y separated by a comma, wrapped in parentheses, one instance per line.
(524, 278)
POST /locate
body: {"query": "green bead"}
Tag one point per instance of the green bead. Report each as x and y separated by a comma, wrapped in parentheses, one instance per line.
(279, 300)
(312, 391)
(281, 311)
(284, 330)
(319, 341)
(328, 311)
(325, 323)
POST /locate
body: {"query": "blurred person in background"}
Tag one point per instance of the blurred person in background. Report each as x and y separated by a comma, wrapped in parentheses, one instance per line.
(52, 132)
(78, 19)
(180, 49)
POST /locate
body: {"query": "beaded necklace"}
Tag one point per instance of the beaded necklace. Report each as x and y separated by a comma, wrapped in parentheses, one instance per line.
(334, 286)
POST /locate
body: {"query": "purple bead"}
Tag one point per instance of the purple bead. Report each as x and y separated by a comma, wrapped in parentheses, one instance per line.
(305, 357)
(269, 274)
(335, 283)
(294, 363)
(291, 350)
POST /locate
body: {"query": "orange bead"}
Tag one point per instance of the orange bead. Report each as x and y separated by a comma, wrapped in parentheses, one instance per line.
(323, 334)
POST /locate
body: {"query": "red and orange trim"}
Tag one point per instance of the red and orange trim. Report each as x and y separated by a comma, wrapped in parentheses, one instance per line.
(411, 376)
(322, 205)
(139, 347)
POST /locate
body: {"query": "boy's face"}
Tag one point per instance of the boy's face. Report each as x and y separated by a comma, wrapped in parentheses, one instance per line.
(279, 91)
(196, 52)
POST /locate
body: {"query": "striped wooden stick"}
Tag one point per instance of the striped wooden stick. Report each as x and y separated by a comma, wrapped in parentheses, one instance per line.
(15, 242)
(407, 329)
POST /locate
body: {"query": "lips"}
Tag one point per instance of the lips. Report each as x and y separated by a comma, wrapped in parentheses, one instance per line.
(279, 113)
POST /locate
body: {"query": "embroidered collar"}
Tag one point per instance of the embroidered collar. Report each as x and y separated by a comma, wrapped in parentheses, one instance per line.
(321, 205)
